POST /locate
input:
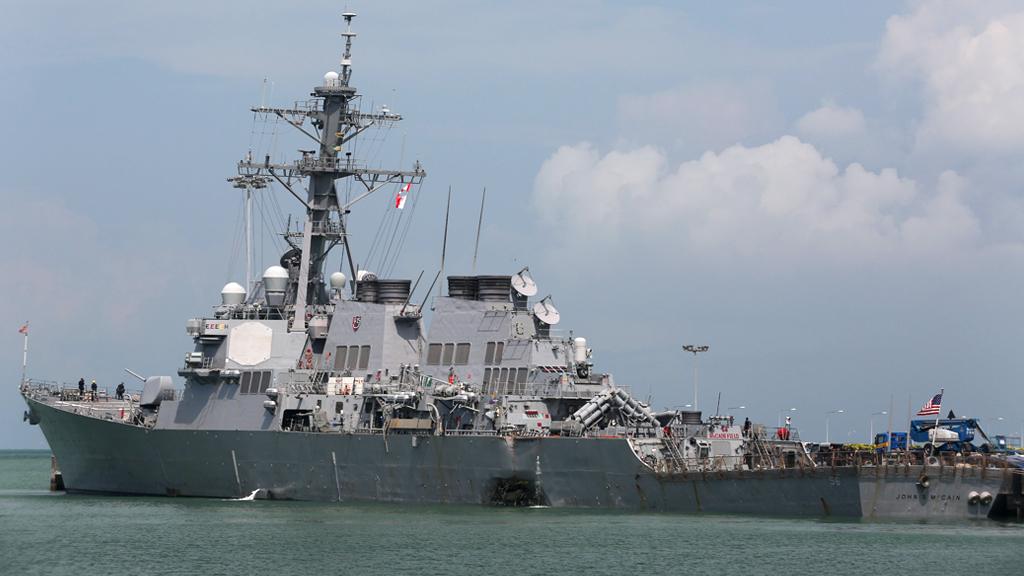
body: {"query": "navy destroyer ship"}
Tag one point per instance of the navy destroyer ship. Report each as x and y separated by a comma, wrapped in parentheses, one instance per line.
(311, 385)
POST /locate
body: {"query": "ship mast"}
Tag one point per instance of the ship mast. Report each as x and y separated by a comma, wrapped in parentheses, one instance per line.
(248, 183)
(335, 122)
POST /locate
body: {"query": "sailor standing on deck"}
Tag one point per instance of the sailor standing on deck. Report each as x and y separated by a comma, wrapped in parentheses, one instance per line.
(120, 391)
(81, 388)
(93, 386)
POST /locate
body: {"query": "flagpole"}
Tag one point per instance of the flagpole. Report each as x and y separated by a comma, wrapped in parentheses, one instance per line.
(24, 357)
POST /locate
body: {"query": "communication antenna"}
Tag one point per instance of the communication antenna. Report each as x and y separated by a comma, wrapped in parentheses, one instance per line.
(248, 183)
(444, 242)
(346, 59)
(479, 223)
(523, 283)
(411, 292)
(429, 290)
(546, 312)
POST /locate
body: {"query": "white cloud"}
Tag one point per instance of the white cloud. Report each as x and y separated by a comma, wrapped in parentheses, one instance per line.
(831, 121)
(781, 199)
(970, 58)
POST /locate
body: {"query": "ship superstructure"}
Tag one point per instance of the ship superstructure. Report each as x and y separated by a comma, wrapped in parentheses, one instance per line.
(316, 386)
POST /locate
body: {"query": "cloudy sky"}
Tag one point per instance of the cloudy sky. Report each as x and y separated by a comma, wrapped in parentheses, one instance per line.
(827, 195)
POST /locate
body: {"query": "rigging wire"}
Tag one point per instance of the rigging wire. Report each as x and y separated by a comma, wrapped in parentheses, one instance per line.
(405, 232)
(398, 218)
(378, 237)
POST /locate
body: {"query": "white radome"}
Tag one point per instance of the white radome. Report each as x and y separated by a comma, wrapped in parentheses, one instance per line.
(331, 78)
(338, 280)
(275, 279)
(232, 294)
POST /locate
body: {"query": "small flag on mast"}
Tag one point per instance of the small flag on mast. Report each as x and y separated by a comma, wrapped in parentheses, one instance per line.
(23, 329)
(933, 406)
(402, 194)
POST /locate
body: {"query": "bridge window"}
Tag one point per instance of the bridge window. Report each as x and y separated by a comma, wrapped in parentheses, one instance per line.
(446, 356)
(339, 357)
(351, 357)
(255, 382)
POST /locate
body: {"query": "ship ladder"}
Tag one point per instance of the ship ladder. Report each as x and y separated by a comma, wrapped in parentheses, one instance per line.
(675, 457)
(763, 454)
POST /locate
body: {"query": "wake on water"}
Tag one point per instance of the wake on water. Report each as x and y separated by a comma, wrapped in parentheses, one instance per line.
(245, 498)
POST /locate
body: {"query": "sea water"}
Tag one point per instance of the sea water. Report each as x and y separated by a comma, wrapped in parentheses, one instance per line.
(59, 534)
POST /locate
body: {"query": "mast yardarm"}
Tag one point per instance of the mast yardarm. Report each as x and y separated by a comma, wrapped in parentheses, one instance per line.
(334, 122)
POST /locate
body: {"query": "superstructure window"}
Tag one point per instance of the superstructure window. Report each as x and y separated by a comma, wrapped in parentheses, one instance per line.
(462, 354)
(364, 357)
(434, 355)
(255, 382)
(520, 387)
(446, 356)
(503, 380)
(493, 353)
(339, 357)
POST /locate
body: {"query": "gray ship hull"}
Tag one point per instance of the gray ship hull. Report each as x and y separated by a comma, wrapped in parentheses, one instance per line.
(104, 456)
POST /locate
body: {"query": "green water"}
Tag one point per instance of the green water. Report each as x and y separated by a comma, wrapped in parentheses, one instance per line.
(57, 534)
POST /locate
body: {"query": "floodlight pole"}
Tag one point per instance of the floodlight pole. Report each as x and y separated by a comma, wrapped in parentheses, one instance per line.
(695, 349)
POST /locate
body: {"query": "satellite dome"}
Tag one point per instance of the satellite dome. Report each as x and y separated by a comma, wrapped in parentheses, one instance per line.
(275, 279)
(232, 294)
(338, 280)
(331, 78)
(365, 276)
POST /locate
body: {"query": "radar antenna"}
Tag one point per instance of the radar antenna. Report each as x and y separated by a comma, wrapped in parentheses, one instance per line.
(546, 312)
(346, 59)
(523, 283)
(336, 121)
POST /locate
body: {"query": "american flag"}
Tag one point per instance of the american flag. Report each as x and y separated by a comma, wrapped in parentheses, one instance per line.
(932, 407)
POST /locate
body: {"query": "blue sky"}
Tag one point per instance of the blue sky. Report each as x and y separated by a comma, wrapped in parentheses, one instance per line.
(828, 195)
